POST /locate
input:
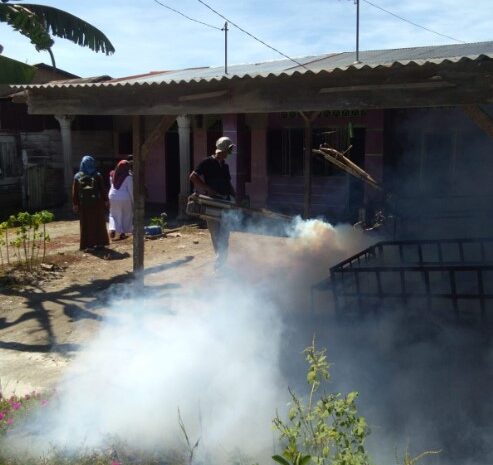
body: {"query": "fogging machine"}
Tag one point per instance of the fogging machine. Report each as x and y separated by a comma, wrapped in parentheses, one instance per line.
(239, 218)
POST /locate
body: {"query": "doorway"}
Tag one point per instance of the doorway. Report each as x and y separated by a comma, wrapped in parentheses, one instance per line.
(172, 169)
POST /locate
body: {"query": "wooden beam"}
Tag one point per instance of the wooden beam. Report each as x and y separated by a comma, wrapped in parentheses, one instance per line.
(398, 86)
(480, 117)
(205, 95)
(140, 152)
(139, 196)
(157, 133)
(307, 172)
(268, 99)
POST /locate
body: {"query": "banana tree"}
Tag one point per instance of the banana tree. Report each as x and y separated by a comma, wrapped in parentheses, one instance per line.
(39, 23)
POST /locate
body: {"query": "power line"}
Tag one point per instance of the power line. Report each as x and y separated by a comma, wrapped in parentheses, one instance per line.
(251, 35)
(188, 17)
(411, 22)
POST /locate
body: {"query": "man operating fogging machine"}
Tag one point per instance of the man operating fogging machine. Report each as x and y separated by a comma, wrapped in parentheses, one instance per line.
(212, 177)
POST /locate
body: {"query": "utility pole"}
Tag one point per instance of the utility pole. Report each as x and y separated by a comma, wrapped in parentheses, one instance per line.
(357, 31)
(225, 29)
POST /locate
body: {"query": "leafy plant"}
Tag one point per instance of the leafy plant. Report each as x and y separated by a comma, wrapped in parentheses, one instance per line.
(30, 237)
(161, 220)
(327, 428)
(4, 243)
(14, 407)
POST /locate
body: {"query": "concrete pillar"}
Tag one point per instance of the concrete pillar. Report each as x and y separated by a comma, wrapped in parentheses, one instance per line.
(65, 122)
(258, 188)
(184, 140)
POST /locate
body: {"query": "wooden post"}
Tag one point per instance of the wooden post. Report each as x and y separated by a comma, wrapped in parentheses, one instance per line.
(139, 194)
(480, 117)
(307, 172)
(140, 152)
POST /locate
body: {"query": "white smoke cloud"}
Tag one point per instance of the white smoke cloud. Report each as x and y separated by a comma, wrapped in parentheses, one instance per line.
(225, 351)
(213, 351)
(213, 354)
(289, 266)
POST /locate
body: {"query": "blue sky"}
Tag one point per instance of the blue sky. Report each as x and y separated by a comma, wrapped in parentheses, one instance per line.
(148, 37)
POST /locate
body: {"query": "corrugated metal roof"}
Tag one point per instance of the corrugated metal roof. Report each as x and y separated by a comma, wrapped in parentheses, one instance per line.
(315, 64)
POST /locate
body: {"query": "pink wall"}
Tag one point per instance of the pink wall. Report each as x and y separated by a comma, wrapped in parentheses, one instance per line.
(156, 173)
(230, 129)
(258, 187)
(199, 145)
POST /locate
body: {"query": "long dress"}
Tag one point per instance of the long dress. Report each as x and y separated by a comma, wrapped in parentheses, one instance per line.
(121, 207)
(93, 232)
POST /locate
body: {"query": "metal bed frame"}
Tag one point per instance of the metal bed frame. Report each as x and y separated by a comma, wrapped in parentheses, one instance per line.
(429, 275)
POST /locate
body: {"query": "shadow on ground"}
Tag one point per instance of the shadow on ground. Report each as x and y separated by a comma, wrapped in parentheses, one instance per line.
(77, 302)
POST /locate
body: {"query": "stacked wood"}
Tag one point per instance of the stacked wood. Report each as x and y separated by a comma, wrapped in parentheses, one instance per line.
(341, 161)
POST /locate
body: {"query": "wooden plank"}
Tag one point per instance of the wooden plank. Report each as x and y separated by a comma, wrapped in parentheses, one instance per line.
(307, 159)
(139, 197)
(337, 158)
(308, 171)
(264, 100)
(396, 86)
(205, 95)
(480, 117)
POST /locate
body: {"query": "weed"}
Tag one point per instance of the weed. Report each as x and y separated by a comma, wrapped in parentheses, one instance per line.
(326, 429)
(190, 449)
(408, 460)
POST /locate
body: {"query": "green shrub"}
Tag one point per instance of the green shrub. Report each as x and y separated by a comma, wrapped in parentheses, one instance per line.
(30, 237)
(326, 429)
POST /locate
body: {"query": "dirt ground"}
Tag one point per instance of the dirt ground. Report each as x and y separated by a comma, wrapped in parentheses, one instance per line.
(43, 323)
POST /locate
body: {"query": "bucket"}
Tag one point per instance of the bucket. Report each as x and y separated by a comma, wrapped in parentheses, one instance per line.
(152, 230)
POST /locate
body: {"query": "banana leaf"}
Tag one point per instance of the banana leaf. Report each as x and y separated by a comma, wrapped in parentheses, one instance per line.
(40, 22)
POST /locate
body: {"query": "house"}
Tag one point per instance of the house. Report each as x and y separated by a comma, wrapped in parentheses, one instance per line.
(31, 160)
(418, 120)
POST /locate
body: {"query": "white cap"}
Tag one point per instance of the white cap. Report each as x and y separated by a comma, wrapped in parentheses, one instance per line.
(224, 143)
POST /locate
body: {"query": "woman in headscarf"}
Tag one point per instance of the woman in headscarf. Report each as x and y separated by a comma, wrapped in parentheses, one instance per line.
(121, 198)
(90, 201)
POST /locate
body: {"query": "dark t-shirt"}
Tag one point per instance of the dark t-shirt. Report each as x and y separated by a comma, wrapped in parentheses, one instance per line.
(216, 175)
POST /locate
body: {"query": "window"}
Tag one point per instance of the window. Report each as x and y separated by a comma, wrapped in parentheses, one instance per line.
(285, 152)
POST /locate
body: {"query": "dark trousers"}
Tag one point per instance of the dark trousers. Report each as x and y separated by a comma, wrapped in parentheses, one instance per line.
(220, 240)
